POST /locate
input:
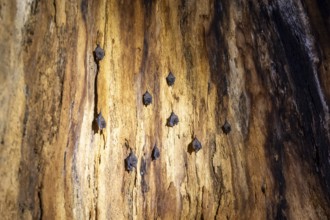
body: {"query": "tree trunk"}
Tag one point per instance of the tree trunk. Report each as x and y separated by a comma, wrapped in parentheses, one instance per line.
(260, 66)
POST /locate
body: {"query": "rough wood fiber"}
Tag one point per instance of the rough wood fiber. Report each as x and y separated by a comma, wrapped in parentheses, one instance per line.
(261, 65)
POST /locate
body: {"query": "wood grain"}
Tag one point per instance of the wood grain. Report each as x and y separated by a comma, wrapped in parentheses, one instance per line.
(261, 65)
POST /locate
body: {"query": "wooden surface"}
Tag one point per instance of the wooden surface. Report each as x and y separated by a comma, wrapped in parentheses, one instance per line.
(261, 65)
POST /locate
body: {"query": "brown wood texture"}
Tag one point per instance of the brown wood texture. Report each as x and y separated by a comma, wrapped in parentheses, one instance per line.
(261, 65)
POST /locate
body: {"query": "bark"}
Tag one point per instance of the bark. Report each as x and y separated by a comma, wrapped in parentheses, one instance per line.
(262, 66)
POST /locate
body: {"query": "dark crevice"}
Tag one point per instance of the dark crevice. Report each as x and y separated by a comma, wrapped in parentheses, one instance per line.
(40, 214)
(55, 10)
(84, 9)
(144, 54)
(185, 28)
(95, 126)
(147, 4)
(25, 120)
(218, 57)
